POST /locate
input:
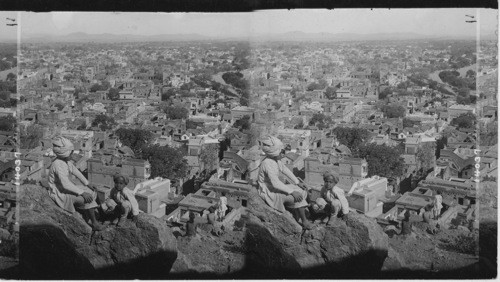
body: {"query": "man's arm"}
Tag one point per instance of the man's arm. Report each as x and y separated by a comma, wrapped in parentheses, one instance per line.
(61, 169)
(272, 172)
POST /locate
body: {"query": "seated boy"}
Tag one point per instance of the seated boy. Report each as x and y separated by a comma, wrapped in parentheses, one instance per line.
(335, 198)
(126, 204)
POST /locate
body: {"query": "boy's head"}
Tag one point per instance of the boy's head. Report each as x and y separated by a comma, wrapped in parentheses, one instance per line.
(191, 216)
(120, 181)
(428, 207)
(330, 180)
(211, 209)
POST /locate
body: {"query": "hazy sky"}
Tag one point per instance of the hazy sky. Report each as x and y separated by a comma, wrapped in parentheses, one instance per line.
(423, 21)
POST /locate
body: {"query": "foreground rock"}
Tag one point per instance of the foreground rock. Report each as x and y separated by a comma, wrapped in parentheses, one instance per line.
(272, 245)
(58, 245)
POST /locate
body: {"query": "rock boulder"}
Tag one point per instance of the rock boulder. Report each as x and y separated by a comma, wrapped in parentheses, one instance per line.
(58, 245)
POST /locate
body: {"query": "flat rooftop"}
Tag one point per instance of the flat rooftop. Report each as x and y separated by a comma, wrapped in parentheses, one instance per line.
(415, 200)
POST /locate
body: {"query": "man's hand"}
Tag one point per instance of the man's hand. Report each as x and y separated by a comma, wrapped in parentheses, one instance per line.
(302, 185)
(87, 197)
(92, 187)
(297, 196)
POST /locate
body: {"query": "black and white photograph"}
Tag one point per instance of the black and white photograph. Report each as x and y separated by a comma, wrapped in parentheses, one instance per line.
(269, 144)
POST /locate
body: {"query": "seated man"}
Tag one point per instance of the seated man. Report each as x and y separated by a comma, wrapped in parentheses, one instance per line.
(63, 191)
(276, 193)
(335, 198)
(406, 225)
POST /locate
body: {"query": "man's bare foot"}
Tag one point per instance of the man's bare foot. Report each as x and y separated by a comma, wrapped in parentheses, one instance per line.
(307, 225)
(98, 227)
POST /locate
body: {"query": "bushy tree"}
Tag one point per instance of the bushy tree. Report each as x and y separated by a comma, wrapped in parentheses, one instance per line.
(467, 120)
(382, 160)
(176, 112)
(113, 94)
(30, 138)
(409, 122)
(277, 105)
(165, 96)
(11, 77)
(59, 106)
(104, 122)
(209, 156)
(353, 138)
(136, 139)
(243, 123)
(7, 123)
(166, 162)
(394, 111)
(426, 155)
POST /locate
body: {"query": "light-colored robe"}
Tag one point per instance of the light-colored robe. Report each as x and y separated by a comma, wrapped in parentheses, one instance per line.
(62, 190)
(125, 197)
(336, 194)
(272, 189)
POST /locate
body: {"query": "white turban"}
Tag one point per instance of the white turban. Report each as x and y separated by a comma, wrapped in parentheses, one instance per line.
(271, 146)
(62, 147)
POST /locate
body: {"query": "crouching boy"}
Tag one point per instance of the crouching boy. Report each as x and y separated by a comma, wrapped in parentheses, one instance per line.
(126, 204)
(335, 198)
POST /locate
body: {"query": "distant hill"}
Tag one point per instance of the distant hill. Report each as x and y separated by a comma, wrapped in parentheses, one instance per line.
(108, 38)
(328, 37)
(288, 36)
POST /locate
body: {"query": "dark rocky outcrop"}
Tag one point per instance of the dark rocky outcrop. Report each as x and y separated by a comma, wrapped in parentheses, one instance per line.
(270, 245)
(353, 248)
(56, 244)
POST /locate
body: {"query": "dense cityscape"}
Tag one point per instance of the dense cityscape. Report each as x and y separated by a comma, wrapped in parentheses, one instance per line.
(397, 122)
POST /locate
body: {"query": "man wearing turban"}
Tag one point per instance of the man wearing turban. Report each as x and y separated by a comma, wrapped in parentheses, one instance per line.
(274, 192)
(63, 191)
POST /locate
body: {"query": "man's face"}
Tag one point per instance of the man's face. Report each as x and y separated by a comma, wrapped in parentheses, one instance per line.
(281, 155)
(329, 182)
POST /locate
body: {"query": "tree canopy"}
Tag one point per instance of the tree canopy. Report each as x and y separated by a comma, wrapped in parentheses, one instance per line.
(394, 110)
(8, 123)
(136, 139)
(243, 123)
(321, 84)
(320, 120)
(209, 156)
(426, 155)
(382, 160)
(104, 122)
(353, 138)
(30, 138)
(176, 112)
(467, 120)
(113, 94)
(166, 162)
